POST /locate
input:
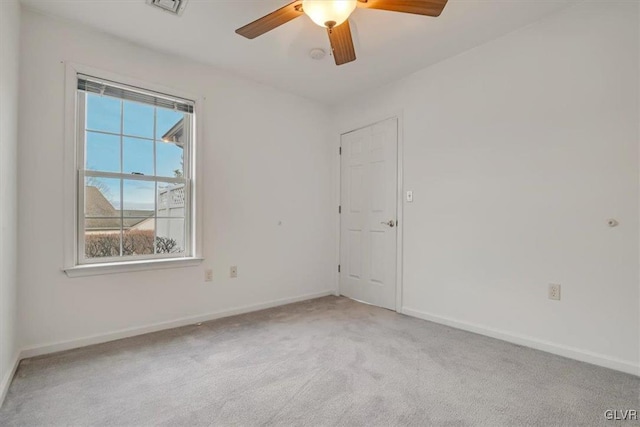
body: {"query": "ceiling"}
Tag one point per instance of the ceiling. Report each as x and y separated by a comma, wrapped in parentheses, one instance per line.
(388, 45)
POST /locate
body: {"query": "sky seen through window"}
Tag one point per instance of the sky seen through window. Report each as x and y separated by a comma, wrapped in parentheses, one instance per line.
(142, 127)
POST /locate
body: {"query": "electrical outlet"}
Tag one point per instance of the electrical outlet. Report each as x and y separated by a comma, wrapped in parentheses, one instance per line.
(233, 271)
(208, 275)
(554, 292)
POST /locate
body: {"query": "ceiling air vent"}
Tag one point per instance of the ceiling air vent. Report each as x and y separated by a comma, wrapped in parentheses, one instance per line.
(172, 6)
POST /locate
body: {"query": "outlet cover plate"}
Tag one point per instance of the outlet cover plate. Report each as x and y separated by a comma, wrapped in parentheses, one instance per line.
(554, 291)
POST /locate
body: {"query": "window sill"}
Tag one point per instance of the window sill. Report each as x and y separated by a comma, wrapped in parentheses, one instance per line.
(130, 266)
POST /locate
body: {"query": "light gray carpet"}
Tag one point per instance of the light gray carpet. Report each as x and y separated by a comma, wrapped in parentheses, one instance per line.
(330, 361)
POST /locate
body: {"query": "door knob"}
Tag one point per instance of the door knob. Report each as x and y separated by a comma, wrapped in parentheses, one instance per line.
(390, 223)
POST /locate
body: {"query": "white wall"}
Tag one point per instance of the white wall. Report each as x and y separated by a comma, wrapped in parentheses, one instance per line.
(9, 60)
(518, 152)
(266, 160)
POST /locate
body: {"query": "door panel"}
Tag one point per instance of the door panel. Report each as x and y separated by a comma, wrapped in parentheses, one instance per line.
(369, 169)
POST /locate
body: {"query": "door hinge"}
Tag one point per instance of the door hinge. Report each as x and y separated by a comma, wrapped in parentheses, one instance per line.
(340, 151)
(338, 268)
(339, 209)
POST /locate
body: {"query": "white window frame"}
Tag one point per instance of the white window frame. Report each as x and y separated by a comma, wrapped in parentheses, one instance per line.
(75, 262)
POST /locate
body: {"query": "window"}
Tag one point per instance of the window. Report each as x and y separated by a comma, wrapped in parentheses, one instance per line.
(134, 163)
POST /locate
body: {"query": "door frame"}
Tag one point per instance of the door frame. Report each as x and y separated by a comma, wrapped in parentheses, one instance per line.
(361, 124)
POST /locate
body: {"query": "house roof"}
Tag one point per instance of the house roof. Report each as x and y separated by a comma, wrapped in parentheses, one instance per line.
(110, 224)
(95, 204)
(102, 215)
(175, 134)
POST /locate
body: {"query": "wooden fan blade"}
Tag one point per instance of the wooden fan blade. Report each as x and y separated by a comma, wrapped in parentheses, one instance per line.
(342, 43)
(418, 7)
(272, 20)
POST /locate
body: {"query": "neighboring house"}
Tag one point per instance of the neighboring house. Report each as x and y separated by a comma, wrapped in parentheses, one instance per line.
(175, 134)
(104, 218)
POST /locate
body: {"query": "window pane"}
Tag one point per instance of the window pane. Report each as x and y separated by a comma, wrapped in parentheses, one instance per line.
(103, 113)
(169, 159)
(138, 236)
(100, 237)
(138, 198)
(168, 120)
(137, 156)
(171, 200)
(170, 236)
(102, 197)
(138, 119)
(125, 215)
(102, 152)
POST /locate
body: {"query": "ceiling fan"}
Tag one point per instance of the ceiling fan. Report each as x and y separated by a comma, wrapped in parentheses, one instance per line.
(334, 15)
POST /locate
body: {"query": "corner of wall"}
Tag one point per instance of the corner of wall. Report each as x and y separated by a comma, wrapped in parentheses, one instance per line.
(10, 12)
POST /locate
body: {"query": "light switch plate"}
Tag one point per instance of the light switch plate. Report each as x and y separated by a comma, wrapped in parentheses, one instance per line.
(409, 196)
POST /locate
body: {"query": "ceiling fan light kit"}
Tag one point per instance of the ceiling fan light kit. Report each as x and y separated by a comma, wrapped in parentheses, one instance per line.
(330, 13)
(334, 16)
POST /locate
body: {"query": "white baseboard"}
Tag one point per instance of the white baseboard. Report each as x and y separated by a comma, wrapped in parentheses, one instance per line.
(561, 350)
(130, 332)
(6, 380)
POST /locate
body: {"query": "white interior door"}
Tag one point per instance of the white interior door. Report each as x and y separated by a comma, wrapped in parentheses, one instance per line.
(368, 223)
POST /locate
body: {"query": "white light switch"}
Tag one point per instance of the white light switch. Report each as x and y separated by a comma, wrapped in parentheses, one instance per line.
(409, 196)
